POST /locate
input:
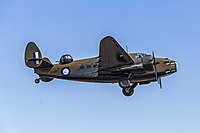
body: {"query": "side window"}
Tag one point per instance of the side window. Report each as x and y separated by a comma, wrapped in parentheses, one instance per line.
(138, 56)
(95, 66)
(82, 67)
(89, 66)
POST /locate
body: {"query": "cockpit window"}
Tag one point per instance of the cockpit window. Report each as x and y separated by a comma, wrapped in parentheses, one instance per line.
(140, 55)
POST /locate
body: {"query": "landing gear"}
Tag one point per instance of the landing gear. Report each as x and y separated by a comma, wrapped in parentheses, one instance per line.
(37, 81)
(128, 91)
(127, 86)
(124, 83)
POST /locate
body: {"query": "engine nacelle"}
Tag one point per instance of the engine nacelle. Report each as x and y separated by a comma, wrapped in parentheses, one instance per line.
(148, 67)
(147, 62)
(66, 59)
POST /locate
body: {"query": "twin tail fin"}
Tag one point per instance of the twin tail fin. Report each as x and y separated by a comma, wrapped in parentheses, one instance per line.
(33, 57)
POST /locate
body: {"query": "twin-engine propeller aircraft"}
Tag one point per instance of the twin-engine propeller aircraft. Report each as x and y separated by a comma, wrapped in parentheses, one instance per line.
(113, 65)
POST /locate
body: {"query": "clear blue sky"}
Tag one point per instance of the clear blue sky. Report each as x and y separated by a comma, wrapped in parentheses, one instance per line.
(171, 28)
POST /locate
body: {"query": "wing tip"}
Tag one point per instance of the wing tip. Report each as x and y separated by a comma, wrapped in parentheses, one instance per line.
(108, 38)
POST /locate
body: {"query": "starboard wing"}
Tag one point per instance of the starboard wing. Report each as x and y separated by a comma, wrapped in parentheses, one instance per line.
(112, 55)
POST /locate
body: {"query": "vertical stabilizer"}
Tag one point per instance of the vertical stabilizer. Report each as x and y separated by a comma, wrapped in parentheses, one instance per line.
(33, 56)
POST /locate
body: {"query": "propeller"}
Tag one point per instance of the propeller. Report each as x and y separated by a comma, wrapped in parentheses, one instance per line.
(154, 66)
(156, 72)
(160, 82)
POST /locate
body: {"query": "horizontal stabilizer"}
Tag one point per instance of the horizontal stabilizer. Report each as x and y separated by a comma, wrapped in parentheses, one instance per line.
(45, 63)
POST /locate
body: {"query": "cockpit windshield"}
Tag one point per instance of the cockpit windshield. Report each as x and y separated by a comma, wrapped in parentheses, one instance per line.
(140, 55)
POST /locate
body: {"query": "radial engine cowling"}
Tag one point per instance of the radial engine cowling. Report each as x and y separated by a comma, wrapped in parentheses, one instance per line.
(65, 59)
(147, 63)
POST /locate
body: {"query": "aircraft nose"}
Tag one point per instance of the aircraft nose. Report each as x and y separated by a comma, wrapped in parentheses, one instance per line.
(172, 66)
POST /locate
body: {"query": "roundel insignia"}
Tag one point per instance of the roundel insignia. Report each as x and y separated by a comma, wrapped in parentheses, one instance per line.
(66, 71)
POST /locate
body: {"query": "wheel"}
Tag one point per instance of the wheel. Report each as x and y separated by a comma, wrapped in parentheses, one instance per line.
(124, 83)
(128, 91)
(37, 81)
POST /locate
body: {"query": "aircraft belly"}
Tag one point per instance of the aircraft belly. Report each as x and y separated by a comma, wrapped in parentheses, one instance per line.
(114, 79)
(94, 79)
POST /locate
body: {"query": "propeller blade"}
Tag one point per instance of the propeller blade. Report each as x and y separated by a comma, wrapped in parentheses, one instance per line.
(155, 70)
(154, 66)
(160, 83)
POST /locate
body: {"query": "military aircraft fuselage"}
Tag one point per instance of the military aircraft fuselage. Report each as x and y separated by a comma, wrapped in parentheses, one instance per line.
(112, 65)
(86, 70)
